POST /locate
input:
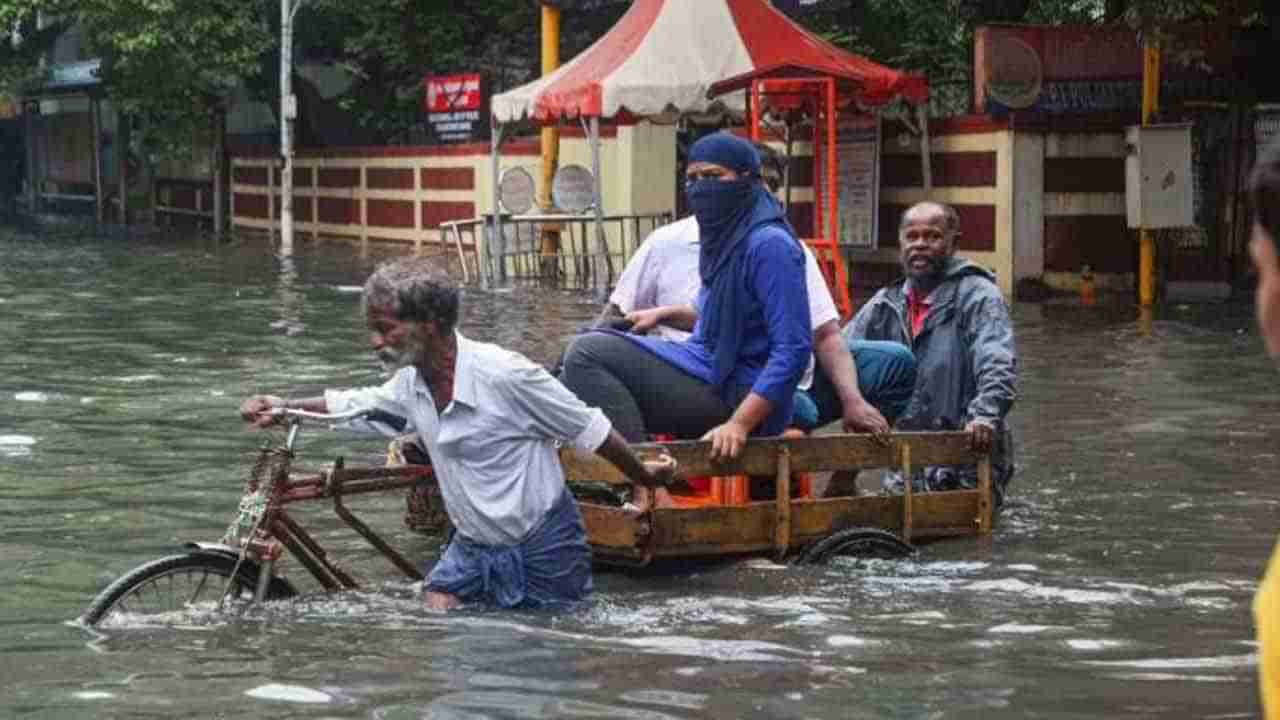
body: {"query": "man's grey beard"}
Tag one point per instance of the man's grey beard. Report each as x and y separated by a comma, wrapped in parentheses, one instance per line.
(393, 360)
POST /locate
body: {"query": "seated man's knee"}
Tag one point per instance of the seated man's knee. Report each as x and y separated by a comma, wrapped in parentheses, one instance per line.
(583, 353)
(889, 362)
(886, 373)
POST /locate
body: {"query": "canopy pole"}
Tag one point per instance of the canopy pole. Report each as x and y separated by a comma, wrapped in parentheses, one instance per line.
(550, 249)
(495, 146)
(601, 242)
(926, 154)
(1150, 105)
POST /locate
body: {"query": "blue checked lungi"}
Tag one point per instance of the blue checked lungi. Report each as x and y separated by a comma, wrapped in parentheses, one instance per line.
(551, 565)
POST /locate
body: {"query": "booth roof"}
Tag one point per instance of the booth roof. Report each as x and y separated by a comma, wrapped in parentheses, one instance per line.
(690, 56)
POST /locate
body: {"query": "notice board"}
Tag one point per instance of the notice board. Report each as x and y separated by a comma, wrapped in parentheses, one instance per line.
(858, 181)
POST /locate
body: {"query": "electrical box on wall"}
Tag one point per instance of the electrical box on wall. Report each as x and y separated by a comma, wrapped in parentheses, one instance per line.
(1158, 181)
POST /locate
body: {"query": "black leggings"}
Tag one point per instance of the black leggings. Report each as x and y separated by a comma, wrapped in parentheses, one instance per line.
(639, 392)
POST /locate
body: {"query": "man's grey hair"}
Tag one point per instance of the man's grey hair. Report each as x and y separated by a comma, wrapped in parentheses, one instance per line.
(415, 289)
(950, 218)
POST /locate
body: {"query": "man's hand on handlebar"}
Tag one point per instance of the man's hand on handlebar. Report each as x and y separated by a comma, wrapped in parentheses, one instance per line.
(257, 410)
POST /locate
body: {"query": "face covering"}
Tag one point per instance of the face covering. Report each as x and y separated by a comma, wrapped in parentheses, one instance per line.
(718, 205)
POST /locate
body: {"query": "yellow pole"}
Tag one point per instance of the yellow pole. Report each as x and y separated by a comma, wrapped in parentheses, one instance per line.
(1150, 103)
(550, 135)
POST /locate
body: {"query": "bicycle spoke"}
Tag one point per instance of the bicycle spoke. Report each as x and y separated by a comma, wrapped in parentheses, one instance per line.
(204, 577)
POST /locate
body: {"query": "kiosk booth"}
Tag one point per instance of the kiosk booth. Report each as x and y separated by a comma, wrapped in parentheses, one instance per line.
(671, 59)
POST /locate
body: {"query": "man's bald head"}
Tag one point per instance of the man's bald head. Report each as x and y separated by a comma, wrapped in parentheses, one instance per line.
(929, 210)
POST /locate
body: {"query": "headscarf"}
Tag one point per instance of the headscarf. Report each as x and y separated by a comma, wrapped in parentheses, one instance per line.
(727, 212)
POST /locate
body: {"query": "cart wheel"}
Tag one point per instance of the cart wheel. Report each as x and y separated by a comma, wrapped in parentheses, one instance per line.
(855, 542)
(176, 582)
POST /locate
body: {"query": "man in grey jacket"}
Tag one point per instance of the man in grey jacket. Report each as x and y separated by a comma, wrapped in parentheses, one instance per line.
(956, 322)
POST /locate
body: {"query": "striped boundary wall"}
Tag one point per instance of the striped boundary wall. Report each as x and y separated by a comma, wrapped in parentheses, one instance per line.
(395, 194)
(973, 170)
(183, 202)
(1033, 202)
(1084, 210)
(402, 194)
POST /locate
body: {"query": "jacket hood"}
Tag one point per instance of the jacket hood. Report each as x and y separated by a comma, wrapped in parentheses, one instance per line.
(956, 267)
(959, 267)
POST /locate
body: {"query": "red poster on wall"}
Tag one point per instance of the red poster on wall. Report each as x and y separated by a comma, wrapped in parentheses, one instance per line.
(457, 107)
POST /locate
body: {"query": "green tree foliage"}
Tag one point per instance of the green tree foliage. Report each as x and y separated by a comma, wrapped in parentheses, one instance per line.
(935, 36)
(174, 61)
(20, 56)
(171, 62)
(165, 61)
(391, 44)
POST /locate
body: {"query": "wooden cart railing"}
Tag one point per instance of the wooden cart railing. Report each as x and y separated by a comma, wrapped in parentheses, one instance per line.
(786, 523)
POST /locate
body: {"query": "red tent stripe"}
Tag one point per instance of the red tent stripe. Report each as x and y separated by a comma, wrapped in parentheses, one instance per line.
(773, 40)
(581, 88)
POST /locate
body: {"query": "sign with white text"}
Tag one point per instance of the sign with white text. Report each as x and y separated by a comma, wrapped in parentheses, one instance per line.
(457, 108)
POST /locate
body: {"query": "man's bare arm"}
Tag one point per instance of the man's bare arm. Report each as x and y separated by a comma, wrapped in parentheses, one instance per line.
(680, 317)
(616, 450)
(256, 410)
(857, 415)
(728, 438)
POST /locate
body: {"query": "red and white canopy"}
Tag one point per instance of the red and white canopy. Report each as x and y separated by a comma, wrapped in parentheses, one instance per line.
(664, 56)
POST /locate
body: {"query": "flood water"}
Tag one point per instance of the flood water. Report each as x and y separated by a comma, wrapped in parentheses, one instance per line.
(1117, 584)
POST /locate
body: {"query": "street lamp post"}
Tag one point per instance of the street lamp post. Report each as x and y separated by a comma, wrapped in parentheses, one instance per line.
(288, 114)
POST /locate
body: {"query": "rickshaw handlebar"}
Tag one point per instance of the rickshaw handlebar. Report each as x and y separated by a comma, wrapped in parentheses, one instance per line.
(328, 417)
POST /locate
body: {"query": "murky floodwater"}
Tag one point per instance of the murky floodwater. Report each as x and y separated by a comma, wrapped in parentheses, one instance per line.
(1117, 583)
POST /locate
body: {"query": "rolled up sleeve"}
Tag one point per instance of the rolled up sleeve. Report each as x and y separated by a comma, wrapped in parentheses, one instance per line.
(381, 397)
(777, 267)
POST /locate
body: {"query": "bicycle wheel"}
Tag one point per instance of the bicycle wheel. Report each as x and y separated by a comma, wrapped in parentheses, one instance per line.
(177, 582)
(855, 542)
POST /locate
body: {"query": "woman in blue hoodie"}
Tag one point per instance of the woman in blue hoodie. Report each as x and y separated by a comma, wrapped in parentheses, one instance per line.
(735, 376)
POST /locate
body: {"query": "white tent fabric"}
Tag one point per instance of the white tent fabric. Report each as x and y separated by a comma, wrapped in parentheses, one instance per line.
(666, 56)
(670, 68)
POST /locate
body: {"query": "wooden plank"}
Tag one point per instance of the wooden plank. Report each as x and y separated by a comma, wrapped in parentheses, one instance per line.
(782, 503)
(984, 496)
(808, 454)
(751, 527)
(610, 527)
(908, 491)
(723, 525)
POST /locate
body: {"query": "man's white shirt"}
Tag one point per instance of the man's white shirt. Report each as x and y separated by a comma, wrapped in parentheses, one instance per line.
(494, 447)
(664, 271)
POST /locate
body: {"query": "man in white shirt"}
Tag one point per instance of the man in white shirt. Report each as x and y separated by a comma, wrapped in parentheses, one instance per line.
(658, 289)
(663, 272)
(491, 421)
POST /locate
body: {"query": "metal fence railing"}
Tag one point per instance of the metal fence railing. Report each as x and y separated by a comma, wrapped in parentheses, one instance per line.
(519, 254)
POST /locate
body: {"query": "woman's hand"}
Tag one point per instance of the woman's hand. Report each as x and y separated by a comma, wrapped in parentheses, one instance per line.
(727, 440)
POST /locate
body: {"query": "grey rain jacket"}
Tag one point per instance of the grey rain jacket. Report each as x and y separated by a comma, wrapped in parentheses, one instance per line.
(966, 363)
